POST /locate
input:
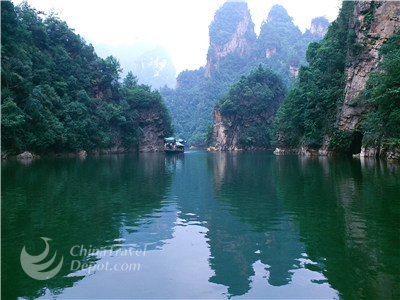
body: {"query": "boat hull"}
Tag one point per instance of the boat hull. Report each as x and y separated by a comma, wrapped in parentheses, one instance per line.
(173, 151)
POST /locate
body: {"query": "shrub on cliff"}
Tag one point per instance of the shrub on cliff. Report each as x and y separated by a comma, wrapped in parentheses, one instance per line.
(383, 95)
(309, 111)
(58, 95)
(251, 105)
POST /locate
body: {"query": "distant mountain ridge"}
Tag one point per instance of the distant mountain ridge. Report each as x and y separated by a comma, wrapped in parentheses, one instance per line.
(152, 65)
(235, 50)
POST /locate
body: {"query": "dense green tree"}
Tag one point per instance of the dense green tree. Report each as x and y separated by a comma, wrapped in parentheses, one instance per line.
(309, 110)
(250, 106)
(192, 102)
(381, 126)
(58, 95)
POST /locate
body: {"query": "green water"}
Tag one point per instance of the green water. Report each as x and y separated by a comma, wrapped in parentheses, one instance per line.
(203, 225)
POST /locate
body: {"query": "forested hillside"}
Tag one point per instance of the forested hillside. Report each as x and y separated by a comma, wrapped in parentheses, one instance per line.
(381, 126)
(57, 95)
(243, 118)
(309, 110)
(234, 51)
(346, 99)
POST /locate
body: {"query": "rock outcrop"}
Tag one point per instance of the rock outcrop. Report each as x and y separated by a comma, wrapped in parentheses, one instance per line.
(26, 155)
(228, 131)
(319, 27)
(370, 26)
(232, 31)
(234, 50)
(231, 132)
(243, 119)
(154, 130)
(373, 24)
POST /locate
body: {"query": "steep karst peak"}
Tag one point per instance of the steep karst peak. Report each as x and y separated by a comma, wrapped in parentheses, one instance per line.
(278, 14)
(319, 26)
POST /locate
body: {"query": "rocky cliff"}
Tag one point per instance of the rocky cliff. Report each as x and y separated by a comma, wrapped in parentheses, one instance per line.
(154, 129)
(232, 31)
(282, 43)
(243, 118)
(351, 124)
(319, 27)
(373, 23)
(235, 132)
(234, 50)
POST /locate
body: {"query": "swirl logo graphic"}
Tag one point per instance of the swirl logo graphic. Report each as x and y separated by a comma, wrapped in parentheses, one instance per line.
(33, 269)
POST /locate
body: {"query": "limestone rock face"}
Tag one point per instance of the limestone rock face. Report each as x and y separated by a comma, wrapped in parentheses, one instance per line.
(228, 131)
(82, 153)
(26, 155)
(373, 25)
(293, 71)
(153, 128)
(219, 131)
(240, 41)
(369, 152)
(318, 28)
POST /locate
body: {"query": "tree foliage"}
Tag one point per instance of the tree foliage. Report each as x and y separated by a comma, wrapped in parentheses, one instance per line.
(381, 126)
(251, 105)
(309, 110)
(58, 95)
(192, 102)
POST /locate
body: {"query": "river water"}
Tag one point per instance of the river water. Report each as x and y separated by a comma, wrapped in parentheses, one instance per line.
(203, 225)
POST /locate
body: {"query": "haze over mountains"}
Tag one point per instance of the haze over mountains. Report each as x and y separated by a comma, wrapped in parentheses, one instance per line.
(151, 64)
(234, 50)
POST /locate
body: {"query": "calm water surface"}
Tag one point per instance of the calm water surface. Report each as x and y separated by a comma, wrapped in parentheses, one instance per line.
(203, 225)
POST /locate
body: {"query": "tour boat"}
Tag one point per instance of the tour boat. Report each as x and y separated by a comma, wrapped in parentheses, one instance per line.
(173, 145)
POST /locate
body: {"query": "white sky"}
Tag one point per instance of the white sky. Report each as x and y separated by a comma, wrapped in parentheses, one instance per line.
(180, 26)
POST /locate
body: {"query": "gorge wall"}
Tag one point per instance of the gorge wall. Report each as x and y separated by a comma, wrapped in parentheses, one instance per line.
(373, 23)
(363, 29)
(243, 119)
(232, 31)
(235, 50)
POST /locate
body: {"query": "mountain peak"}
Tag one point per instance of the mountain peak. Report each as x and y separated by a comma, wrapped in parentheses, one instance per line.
(319, 26)
(232, 31)
(279, 14)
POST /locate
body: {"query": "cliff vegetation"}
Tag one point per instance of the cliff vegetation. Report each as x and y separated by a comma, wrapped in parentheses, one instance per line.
(309, 110)
(243, 118)
(235, 50)
(346, 100)
(57, 95)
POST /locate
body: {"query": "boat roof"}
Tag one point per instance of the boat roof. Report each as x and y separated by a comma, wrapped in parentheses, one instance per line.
(179, 144)
(172, 139)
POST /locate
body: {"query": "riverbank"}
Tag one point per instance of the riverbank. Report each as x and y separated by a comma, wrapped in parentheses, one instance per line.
(392, 155)
(27, 155)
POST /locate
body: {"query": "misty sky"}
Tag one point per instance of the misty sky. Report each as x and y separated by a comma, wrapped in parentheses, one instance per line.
(180, 26)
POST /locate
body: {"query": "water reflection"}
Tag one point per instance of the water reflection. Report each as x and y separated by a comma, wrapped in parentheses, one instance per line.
(76, 202)
(214, 225)
(258, 230)
(346, 212)
(340, 213)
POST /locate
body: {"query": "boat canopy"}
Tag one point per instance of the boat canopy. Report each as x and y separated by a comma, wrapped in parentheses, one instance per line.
(170, 140)
(179, 144)
(180, 141)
